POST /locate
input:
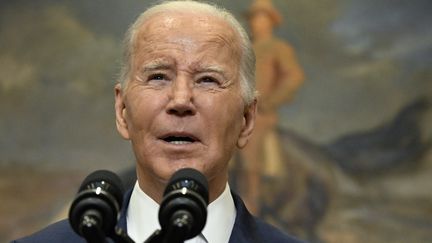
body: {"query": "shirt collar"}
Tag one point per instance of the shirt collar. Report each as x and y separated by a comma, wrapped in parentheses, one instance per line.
(142, 217)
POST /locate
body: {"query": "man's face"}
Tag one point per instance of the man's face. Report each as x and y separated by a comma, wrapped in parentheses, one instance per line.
(182, 106)
(260, 22)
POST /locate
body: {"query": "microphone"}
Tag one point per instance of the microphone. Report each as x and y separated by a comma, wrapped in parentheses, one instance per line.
(95, 210)
(183, 211)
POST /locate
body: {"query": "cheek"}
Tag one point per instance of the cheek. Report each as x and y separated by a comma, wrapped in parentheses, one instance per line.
(224, 119)
(142, 107)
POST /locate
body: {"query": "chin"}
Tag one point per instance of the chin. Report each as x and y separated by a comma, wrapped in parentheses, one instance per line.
(189, 164)
(167, 168)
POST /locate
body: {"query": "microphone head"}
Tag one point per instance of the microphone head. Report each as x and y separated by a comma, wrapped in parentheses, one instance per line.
(101, 192)
(105, 179)
(187, 194)
(191, 179)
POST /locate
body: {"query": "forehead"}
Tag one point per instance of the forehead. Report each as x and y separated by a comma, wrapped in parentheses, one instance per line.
(183, 28)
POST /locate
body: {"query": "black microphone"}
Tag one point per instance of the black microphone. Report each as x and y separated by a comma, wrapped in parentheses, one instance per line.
(95, 209)
(183, 211)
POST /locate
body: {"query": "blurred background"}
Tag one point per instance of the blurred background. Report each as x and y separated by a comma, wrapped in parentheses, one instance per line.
(356, 138)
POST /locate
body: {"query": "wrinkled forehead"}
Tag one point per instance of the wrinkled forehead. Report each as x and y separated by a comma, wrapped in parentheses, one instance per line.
(206, 27)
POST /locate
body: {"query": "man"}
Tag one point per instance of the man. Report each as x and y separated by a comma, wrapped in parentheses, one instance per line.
(186, 99)
(278, 77)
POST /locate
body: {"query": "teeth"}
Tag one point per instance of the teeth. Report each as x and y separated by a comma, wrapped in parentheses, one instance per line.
(179, 142)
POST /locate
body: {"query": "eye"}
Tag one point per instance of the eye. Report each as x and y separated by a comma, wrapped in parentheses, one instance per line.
(208, 80)
(157, 76)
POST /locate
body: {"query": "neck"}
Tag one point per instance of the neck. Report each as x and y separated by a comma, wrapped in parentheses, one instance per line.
(259, 36)
(153, 189)
(216, 188)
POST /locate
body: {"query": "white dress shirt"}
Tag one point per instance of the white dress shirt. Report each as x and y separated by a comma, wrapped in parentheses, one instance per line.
(142, 218)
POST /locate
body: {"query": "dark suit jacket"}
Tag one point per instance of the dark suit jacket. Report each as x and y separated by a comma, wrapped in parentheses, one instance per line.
(247, 229)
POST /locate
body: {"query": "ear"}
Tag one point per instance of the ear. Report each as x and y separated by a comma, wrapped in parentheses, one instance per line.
(120, 112)
(248, 124)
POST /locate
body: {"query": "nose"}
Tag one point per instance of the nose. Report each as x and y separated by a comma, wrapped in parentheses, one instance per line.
(181, 96)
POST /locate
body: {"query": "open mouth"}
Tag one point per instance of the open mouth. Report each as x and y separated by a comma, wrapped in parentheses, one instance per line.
(179, 139)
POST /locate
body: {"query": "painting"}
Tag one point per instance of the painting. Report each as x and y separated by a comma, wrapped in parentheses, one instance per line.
(342, 146)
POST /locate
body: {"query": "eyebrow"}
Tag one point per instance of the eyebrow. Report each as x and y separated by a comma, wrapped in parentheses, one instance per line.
(215, 69)
(162, 64)
(158, 64)
(210, 69)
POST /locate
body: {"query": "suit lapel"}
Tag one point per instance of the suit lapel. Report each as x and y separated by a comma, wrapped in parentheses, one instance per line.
(244, 226)
(122, 223)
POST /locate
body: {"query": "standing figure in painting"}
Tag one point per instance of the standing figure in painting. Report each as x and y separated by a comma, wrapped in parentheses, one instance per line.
(278, 76)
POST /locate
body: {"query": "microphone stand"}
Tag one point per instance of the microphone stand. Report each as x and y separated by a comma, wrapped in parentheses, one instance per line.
(156, 237)
(91, 229)
(92, 232)
(160, 237)
(120, 236)
(176, 231)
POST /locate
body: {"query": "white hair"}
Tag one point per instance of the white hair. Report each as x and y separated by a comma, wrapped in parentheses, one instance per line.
(247, 61)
